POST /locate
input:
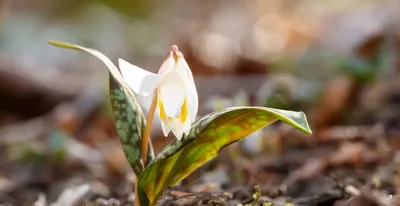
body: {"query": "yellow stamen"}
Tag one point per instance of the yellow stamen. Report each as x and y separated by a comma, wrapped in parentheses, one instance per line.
(184, 112)
(161, 108)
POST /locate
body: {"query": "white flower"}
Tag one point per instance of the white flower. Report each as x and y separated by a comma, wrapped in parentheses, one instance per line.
(177, 101)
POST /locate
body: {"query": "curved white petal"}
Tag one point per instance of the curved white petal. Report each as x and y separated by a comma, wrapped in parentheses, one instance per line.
(165, 126)
(190, 88)
(172, 94)
(139, 80)
(178, 128)
(168, 65)
(187, 125)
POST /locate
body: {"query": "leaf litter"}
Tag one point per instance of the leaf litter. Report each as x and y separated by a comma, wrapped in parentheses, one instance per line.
(67, 152)
(347, 171)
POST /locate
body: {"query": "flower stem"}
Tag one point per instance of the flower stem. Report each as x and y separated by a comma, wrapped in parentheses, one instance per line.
(146, 139)
(137, 203)
(147, 129)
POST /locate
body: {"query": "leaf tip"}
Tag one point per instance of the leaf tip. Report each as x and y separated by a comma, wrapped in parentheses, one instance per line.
(307, 128)
(62, 44)
(51, 41)
(55, 43)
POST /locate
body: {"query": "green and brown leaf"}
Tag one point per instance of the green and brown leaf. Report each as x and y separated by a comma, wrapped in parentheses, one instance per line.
(207, 137)
(128, 115)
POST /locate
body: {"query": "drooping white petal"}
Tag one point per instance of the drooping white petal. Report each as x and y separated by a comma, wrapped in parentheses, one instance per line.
(178, 128)
(190, 89)
(187, 125)
(139, 80)
(168, 65)
(172, 94)
(165, 126)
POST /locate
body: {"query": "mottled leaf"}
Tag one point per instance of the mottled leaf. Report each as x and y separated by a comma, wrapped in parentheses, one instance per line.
(207, 137)
(128, 115)
(130, 123)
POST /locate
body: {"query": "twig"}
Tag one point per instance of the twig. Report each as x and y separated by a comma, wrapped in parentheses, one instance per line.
(179, 193)
(352, 190)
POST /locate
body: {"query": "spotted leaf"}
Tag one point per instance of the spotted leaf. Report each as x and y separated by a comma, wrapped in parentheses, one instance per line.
(207, 137)
(128, 115)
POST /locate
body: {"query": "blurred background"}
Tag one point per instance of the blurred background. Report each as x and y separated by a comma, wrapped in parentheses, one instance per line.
(336, 60)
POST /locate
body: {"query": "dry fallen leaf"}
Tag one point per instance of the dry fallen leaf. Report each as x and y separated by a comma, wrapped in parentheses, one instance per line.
(71, 196)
